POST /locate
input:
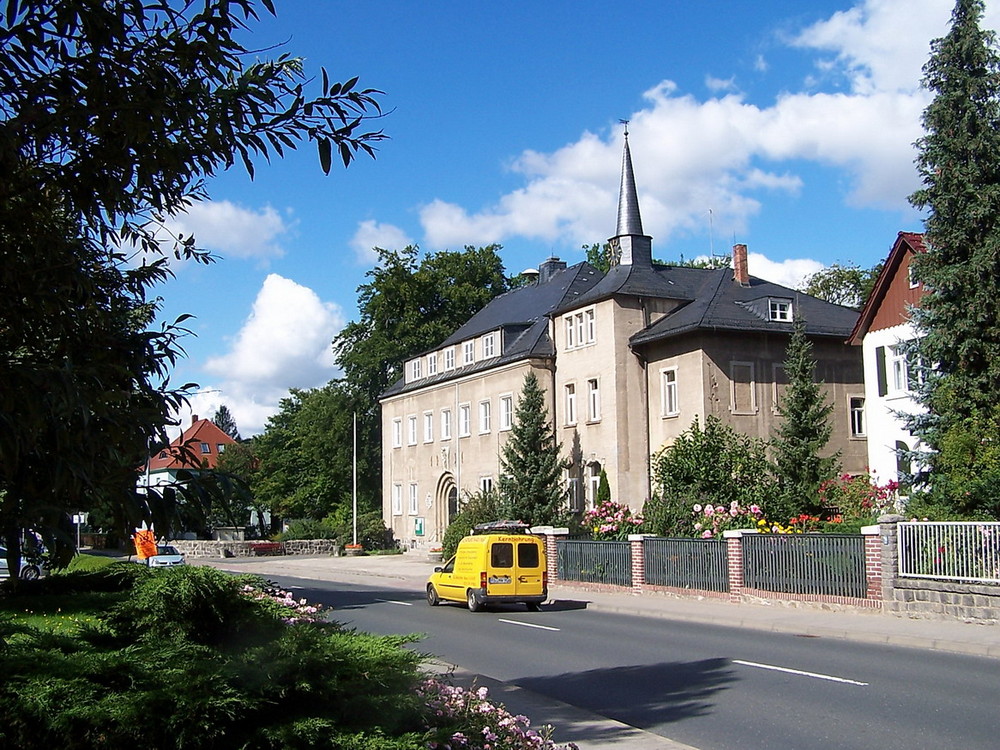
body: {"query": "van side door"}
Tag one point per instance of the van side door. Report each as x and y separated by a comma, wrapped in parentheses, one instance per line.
(529, 569)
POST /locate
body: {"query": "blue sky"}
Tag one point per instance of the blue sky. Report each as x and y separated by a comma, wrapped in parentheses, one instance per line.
(784, 125)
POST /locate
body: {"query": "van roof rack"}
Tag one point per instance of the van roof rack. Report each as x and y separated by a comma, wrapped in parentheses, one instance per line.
(500, 526)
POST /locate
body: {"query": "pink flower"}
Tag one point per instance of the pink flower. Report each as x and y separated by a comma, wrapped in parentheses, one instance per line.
(707, 534)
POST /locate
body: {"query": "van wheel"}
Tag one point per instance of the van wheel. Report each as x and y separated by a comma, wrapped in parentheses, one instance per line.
(473, 601)
(533, 606)
(30, 573)
(432, 595)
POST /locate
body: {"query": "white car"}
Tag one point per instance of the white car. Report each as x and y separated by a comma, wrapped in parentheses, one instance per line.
(29, 571)
(167, 556)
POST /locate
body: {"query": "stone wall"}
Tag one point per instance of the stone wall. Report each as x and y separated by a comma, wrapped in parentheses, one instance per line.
(212, 548)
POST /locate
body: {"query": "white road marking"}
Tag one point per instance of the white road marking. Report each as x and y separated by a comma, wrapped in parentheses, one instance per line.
(528, 625)
(799, 672)
(391, 601)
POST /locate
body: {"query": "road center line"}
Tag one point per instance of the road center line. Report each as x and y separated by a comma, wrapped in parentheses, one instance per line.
(528, 625)
(773, 668)
(390, 601)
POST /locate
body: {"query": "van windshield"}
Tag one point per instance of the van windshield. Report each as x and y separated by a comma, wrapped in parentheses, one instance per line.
(527, 555)
(502, 555)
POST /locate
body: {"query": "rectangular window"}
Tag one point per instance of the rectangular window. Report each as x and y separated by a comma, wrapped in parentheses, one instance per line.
(432, 364)
(570, 403)
(468, 352)
(206, 448)
(742, 392)
(899, 376)
(857, 416)
(484, 416)
(506, 412)
(411, 429)
(428, 427)
(593, 400)
(570, 333)
(780, 378)
(670, 406)
(573, 494)
(590, 331)
(415, 369)
(464, 421)
(397, 432)
(489, 345)
(581, 329)
(397, 499)
(911, 277)
(446, 424)
(486, 484)
(220, 448)
(413, 499)
(779, 309)
(449, 358)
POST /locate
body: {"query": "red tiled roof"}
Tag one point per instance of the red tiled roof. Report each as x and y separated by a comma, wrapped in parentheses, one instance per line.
(202, 440)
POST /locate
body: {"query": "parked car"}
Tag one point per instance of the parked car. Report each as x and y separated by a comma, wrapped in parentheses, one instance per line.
(29, 570)
(499, 563)
(167, 556)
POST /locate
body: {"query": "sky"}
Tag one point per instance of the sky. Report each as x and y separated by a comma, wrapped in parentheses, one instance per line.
(784, 125)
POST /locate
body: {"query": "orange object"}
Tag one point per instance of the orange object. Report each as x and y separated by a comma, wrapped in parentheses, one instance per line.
(145, 543)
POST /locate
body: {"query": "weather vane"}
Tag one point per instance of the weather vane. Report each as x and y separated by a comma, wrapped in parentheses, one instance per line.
(625, 123)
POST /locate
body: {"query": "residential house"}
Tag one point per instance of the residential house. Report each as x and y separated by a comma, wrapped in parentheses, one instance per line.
(198, 447)
(882, 330)
(627, 359)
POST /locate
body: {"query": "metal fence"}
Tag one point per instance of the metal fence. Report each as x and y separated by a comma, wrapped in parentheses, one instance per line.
(700, 564)
(951, 551)
(595, 562)
(826, 564)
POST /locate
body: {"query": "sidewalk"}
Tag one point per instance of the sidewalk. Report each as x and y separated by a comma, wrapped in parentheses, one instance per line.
(589, 730)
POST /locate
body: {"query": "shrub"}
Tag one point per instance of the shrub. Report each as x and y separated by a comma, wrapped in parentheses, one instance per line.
(611, 521)
(482, 507)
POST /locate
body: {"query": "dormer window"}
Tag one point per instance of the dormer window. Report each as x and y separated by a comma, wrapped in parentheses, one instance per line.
(468, 352)
(449, 358)
(489, 345)
(432, 364)
(779, 310)
(415, 370)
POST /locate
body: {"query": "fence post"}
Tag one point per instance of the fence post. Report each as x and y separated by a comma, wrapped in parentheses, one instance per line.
(637, 550)
(873, 562)
(734, 555)
(551, 551)
(889, 532)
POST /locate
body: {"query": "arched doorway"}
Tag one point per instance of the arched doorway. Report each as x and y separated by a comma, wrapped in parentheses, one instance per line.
(445, 504)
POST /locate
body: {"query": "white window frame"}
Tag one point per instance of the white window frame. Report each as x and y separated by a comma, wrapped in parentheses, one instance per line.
(489, 345)
(485, 414)
(581, 328)
(670, 405)
(856, 414)
(911, 279)
(414, 499)
(468, 352)
(590, 326)
(397, 432)
(449, 358)
(486, 483)
(570, 332)
(464, 420)
(415, 369)
(432, 364)
(732, 387)
(411, 429)
(397, 499)
(506, 411)
(573, 494)
(428, 427)
(446, 424)
(899, 376)
(593, 400)
(779, 310)
(570, 399)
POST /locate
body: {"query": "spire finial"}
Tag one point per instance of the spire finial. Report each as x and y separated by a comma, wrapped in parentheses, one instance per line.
(625, 123)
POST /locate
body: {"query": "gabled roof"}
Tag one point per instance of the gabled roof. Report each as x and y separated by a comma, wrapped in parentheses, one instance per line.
(201, 431)
(906, 242)
(521, 316)
(718, 303)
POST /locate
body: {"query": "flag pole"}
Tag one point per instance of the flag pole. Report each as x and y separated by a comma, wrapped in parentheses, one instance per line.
(354, 502)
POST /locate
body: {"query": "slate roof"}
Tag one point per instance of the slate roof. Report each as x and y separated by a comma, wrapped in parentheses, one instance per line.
(521, 315)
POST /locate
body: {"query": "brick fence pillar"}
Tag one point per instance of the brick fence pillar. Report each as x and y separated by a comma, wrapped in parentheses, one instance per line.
(734, 556)
(550, 535)
(889, 536)
(873, 562)
(638, 552)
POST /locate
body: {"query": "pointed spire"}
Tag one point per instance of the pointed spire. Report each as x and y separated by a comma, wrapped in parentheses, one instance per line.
(630, 246)
(629, 220)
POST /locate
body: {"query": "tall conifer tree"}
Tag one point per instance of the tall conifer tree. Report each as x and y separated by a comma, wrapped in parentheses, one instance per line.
(531, 469)
(803, 432)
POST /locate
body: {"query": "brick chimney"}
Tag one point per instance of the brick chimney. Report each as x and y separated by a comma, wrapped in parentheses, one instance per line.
(741, 274)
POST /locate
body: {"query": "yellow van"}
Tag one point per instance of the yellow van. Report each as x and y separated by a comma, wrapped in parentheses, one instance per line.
(499, 562)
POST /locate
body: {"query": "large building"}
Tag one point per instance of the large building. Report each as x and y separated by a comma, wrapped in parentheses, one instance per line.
(627, 359)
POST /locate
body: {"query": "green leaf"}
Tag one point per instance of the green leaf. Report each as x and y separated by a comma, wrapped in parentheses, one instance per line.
(325, 154)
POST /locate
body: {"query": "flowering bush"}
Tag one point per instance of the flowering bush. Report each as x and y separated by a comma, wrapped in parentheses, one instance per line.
(709, 521)
(611, 520)
(858, 497)
(460, 718)
(282, 604)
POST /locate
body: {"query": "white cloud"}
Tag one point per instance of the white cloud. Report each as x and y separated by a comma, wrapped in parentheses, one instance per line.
(371, 234)
(726, 153)
(233, 231)
(790, 273)
(284, 343)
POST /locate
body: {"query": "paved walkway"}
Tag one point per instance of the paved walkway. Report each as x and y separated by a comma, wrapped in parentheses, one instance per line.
(410, 571)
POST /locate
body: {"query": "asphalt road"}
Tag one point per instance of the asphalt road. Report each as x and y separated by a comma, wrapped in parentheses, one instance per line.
(711, 687)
